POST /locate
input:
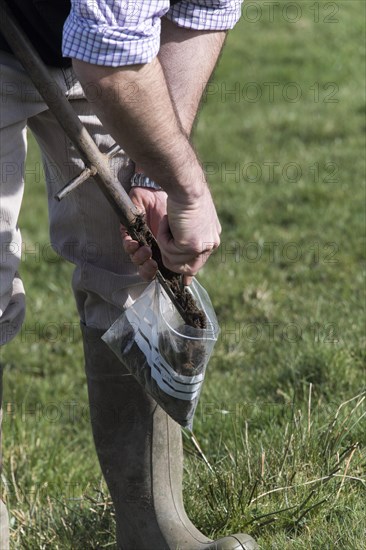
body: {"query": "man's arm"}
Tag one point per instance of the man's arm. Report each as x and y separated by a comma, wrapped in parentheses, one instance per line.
(116, 49)
(134, 104)
(148, 126)
(188, 58)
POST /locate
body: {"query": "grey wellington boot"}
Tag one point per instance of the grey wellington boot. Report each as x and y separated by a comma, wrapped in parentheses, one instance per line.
(140, 452)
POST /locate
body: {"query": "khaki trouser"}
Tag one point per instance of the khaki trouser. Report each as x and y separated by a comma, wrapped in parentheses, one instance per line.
(83, 227)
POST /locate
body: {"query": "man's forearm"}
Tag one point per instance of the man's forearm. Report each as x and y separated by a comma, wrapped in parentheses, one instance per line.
(150, 110)
(188, 58)
(135, 106)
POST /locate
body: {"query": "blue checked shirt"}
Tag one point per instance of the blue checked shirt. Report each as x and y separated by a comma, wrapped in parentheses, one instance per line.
(124, 32)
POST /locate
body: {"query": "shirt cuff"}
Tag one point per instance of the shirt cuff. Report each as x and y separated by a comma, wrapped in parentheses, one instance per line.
(219, 15)
(103, 45)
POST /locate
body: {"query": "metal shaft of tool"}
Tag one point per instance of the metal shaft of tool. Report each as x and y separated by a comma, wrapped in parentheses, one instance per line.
(95, 161)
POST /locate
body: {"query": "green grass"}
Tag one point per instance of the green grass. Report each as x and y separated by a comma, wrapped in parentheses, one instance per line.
(281, 420)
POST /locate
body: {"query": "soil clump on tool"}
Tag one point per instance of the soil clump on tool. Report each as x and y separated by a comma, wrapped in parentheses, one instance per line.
(187, 307)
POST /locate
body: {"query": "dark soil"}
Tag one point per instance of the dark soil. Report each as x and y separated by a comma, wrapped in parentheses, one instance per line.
(186, 357)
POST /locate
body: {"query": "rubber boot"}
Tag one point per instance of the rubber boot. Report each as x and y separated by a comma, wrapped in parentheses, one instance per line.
(140, 452)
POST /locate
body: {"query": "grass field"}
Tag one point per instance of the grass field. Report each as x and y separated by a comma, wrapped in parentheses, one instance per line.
(281, 420)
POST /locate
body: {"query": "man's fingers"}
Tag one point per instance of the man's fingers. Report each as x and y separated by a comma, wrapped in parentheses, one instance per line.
(187, 280)
(182, 259)
(153, 205)
(131, 246)
(148, 270)
(142, 254)
(186, 239)
(164, 234)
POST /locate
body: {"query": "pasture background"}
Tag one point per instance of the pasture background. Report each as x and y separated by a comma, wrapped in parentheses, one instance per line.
(281, 418)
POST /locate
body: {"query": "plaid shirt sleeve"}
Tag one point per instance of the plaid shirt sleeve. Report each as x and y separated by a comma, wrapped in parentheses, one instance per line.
(206, 15)
(117, 33)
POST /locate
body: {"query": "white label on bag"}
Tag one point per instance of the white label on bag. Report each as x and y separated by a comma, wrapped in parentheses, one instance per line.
(177, 385)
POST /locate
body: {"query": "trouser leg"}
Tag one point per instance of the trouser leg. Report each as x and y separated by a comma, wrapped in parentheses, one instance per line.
(12, 299)
(18, 101)
(84, 228)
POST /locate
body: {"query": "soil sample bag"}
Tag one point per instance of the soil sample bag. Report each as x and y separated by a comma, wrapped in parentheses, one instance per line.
(165, 355)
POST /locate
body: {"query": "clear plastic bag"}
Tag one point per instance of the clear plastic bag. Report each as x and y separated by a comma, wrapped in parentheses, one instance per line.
(167, 357)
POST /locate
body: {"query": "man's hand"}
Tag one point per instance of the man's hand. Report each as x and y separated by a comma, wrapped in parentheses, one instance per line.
(152, 204)
(187, 232)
